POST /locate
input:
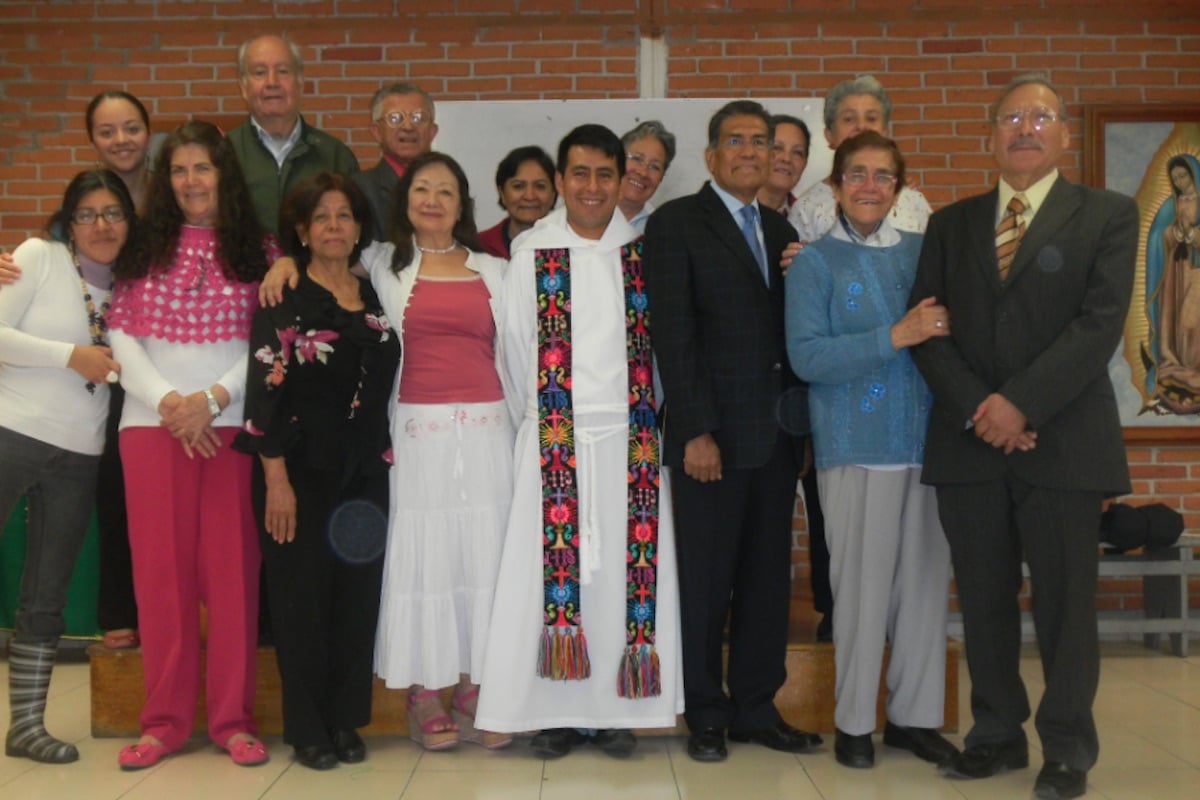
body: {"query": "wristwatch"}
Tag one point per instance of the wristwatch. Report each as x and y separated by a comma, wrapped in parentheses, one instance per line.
(214, 407)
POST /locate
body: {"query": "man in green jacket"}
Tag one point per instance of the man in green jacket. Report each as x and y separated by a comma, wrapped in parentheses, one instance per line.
(276, 148)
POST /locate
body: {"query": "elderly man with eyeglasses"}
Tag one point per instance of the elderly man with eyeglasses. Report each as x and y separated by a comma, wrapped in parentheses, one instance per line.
(1025, 440)
(402, 122)
(276, 148)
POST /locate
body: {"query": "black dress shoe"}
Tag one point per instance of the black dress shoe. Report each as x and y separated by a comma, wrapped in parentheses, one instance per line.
(780, 736)
(556, 742)
(986, 760)
(317, 756)
(707, 744)
(854, 751)
(349, 747)
(924, 743)
(616, 742)
(1057, 780)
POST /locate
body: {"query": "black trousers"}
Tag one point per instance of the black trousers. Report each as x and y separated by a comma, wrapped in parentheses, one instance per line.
(116, 606)
(734, 544)
(991, 527)
(323, 610)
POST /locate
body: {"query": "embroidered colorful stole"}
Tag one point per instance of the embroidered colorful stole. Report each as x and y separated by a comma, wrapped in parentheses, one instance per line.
(563, 651)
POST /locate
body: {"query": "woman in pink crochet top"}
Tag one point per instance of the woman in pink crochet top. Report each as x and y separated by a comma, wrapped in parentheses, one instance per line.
(180, 321)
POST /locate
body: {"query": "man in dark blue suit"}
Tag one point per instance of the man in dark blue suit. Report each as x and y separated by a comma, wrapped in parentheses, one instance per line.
(716, 300)
(1025, 441)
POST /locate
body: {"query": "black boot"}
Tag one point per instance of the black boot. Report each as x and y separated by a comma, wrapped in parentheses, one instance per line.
(29, 668)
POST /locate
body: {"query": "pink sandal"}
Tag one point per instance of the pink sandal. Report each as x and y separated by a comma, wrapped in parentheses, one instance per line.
(428, 724)
(246, 750)
(463, 709)
(142, 755)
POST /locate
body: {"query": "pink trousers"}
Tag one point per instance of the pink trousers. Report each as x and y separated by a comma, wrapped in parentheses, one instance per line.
(193, 538)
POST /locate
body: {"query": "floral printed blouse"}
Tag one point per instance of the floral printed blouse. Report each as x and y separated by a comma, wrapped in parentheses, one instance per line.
(319, 382)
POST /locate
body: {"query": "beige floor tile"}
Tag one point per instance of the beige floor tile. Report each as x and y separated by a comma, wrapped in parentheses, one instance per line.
(1015, 785)
(895, 776)
(202, 772)
(1133, 704)
(726, 782)
(1123, 748)
(1148, 710)
(94, 775)
(501, 785)
(1181, 742)
(467, 757)
(649, 766)
(1117, 783)
(359, 781)
(1156, 670)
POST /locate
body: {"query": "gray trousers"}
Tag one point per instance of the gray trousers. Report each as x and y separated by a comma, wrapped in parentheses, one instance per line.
(890, 572)
(60, 486)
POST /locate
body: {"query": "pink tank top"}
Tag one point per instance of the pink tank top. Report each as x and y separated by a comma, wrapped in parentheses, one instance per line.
(449, 344)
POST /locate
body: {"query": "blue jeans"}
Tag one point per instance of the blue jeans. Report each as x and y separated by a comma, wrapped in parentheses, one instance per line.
(60, 486)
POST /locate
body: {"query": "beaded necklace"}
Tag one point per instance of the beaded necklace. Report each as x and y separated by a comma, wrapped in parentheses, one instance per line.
(96, 324)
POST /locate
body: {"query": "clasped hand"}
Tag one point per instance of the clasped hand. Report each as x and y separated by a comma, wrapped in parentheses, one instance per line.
(1002, 425)
(189, 420)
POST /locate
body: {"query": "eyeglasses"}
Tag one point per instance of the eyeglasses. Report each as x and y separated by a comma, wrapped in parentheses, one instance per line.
(650, 166)
(88, 216)
(395, 119)
(1038, 118)
(738, 142)
(883, 180)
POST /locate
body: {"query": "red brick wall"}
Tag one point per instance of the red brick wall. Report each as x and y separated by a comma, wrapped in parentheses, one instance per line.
(942, 61)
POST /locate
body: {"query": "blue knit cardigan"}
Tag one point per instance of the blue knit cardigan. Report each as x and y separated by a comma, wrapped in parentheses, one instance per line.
(869, 405)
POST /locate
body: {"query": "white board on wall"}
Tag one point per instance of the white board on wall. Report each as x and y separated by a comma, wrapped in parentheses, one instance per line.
(480, 133)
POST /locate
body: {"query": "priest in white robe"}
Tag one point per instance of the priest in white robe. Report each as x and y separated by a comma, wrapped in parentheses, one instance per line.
(612, 662)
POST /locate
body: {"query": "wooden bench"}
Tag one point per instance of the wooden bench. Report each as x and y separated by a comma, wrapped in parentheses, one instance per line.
(806, 699)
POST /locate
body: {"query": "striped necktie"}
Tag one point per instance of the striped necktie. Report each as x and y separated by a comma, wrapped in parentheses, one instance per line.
(1009, 233)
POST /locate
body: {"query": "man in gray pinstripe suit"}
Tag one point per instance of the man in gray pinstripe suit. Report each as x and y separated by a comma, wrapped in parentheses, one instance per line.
(1025, 440)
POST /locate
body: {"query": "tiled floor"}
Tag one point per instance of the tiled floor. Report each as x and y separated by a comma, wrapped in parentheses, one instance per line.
(1148, 711)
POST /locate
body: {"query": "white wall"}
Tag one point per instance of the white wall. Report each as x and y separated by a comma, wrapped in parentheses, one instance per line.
(479, 134)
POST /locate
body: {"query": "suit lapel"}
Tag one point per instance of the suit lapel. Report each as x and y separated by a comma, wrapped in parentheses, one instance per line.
(981, 233)
(724, 228)
(1060, 205)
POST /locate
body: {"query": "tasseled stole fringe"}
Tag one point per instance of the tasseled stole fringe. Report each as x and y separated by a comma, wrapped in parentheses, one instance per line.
(640, 674)
(562, 651)
(563, 655)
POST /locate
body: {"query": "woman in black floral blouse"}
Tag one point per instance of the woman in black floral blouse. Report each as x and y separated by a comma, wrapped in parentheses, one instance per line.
(321, 371)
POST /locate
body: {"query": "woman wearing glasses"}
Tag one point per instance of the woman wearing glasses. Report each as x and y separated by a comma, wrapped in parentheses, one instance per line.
(848, 334)
(118, 126)
(55, 368)
(649, 150)
(180, 321)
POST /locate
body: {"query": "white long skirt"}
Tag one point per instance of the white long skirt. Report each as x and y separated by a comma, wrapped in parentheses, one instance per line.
(451, 487)
(513, 696)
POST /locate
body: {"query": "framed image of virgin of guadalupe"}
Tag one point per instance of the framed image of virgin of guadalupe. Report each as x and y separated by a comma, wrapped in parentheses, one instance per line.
(1152, 153)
